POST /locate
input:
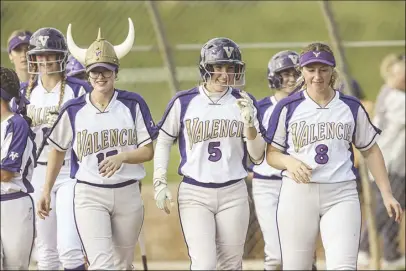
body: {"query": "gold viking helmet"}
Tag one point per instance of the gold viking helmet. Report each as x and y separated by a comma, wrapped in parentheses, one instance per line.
(101, 51)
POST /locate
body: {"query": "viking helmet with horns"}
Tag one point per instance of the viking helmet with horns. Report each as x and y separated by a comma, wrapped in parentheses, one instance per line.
(101, 51)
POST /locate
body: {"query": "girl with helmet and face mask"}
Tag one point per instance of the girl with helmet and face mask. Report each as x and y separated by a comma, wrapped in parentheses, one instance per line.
(110, 132)
(48, 89)
(217, 126)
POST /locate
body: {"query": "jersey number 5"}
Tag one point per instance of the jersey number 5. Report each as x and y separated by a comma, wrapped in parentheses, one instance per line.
(100, 156)
(214, 151)
(321, 154)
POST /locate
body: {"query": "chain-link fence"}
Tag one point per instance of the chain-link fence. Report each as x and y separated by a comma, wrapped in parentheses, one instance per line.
(169, 34)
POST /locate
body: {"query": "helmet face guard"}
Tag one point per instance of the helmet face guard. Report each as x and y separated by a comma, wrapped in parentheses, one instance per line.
(221, 51)
(46, 41)
(238, 74)
(34, 64)
(281, 61)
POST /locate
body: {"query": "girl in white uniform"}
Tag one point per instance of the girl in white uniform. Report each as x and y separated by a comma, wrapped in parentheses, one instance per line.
(310, 138)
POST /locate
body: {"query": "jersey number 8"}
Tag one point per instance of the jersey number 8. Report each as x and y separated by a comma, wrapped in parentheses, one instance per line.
(321, 154)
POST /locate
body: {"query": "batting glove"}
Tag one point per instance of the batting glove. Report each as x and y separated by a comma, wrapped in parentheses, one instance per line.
(247, 109)
(162, 194)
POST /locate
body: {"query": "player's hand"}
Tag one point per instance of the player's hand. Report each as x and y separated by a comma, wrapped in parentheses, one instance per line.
(299, 171)
(247, 109)
(110, 165)
(392, 206)
(162, 194)
(43, 205)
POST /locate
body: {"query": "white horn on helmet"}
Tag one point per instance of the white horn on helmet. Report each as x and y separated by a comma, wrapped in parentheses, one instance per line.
(77, 52)
(125, 47)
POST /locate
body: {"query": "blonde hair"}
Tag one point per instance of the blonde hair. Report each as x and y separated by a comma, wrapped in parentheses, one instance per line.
(386, 64)
(316, 46)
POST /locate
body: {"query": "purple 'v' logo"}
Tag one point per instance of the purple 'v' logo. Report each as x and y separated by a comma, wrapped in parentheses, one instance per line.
(98, 53)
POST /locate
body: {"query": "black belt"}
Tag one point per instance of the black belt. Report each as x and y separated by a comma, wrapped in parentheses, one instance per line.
(15, 195)
(209, 185)
(116, 185)
(46, 163)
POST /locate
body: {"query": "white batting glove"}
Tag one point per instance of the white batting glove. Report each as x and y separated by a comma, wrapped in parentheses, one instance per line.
(162, 194)
(247, 109)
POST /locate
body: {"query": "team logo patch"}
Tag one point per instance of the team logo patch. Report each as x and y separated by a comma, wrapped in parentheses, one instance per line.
(316, 54)
(22, 37)
(98, 52)
(229, 51)
(43, 40)
(13, 155)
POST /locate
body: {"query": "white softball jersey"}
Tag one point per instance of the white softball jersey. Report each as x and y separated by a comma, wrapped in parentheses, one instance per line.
(210, 134)
(322, 137)
(124, 125)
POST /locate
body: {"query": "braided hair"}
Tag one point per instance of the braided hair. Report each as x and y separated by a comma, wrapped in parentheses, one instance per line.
(11, 85)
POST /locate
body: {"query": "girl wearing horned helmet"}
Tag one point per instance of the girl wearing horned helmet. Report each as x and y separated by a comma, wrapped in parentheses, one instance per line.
(111, 133)
(47, 90)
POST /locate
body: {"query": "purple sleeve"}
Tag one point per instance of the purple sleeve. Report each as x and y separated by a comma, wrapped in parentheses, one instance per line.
(18, 130)
(148, 121)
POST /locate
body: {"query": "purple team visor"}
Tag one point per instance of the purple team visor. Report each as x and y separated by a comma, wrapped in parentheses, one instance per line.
(22, 38)
(317, 57)
(104, 65)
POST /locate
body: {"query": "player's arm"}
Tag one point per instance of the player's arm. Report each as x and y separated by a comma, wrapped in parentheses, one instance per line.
(6, 175)
(365, 140)
(169, 128)
(146, 134)
(276, 138)
(15, 143)
(252, 127)
(60, 138)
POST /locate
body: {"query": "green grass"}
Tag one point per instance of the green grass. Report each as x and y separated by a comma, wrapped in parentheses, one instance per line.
(197, 22)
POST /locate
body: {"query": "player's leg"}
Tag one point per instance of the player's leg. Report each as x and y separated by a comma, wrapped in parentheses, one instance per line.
(232, 221)
(340, 224)
(17, 232)
(69, 245)
(298, 220)
(126, 223)
(46, 235)
(265, 194)
(92, 208)
(196, 213)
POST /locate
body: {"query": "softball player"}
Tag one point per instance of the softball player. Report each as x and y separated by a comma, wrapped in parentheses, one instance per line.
(266, 182)
(17, 162)
(48, 89)
(17, 48)
(111, 133)
(310, 138)
(215, 124)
